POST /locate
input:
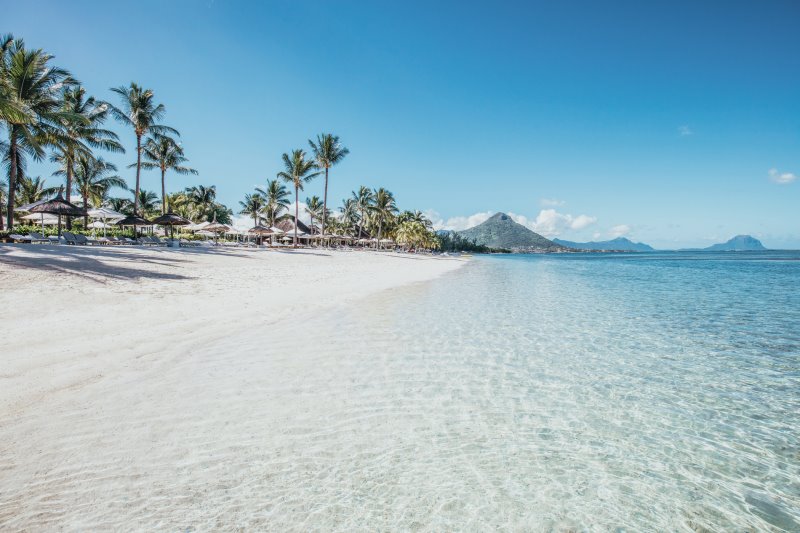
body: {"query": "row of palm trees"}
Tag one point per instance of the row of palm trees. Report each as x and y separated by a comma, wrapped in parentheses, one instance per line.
(366, 212)
(44, 108)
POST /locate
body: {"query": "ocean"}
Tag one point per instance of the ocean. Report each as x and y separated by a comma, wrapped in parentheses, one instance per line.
(565, 393)
(588, 392)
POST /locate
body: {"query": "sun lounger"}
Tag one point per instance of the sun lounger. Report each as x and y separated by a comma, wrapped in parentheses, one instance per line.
(157, 241)
(82, 239)
(37, 237)
(69, 238)
(16, 237)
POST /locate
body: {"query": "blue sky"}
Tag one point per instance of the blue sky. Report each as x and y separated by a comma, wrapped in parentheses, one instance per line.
(661, 121)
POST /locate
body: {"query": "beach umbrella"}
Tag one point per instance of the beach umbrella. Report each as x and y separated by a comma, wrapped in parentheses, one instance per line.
(44, 220)
(26, 208)
(60, 207)
(97, 224)
(171, 219)
(105, 214)
(133, 220)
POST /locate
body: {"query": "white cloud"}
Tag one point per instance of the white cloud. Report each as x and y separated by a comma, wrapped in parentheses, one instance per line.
(619, 231)
(551, 202)
(781, 178)
(457, 223)
(551, 223)
(684, 131)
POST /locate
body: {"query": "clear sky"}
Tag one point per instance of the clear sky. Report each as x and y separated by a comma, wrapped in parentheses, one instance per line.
(674, 123)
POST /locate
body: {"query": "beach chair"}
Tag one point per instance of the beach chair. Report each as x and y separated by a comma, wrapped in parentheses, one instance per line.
(38, 237)
(69, 238)
(83, 239)
(16, 237)
(157, 241)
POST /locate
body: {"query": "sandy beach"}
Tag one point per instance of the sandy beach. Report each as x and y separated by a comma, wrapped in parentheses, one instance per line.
(102, 349)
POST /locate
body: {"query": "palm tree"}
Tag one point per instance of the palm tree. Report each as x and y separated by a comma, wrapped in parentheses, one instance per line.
(202, 199)
(276, 197)
(148, 202)
(3, 186)
(164, 153)
(314, 209)
(348, 213)
(32, 190)
(92, 181)
(383, 208)
(327, 152)
(252, 205)
(298, 171)
(122, 205)
(363, 202)
(414, 216)
(30, 108)
(139, 111)
(75, 138)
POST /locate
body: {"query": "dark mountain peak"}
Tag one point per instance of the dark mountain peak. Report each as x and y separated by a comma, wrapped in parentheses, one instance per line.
(738, 243)
(501, 231)
(620, 244)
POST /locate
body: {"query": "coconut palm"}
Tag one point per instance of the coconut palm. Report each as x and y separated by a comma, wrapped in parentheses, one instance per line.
(276, 197)
(415, 216)
(328, 151)
(148, 203)
(203, 201)
(363, 200)
(164, 153)
(348, 214)
(298, 171)
(139, 111)
(75, 138)
(121, 205)
(3, 186)
(31, 190)
(383, 208)
(314, 208)
(92, 181)
(30, 109)
(253, 205)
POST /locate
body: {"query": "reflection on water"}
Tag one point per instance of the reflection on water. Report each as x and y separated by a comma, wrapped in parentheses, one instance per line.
(654, 392)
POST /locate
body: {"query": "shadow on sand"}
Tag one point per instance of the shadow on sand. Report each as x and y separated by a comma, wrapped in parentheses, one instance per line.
(88, 262)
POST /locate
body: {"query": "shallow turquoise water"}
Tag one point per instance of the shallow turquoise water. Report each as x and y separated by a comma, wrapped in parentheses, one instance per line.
(632, 392)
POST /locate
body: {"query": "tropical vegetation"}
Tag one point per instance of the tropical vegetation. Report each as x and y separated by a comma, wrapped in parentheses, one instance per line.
(45, 113)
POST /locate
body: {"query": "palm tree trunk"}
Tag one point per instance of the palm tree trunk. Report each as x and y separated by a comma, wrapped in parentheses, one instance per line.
(325, 202)
(138, 169)
(360, 223)
(69, 188)
(163, 192)
(86, 216)
(12, 182)
(296, 211)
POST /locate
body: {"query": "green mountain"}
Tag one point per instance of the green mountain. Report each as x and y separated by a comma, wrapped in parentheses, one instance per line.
(618, 244)
(502, 232)
(739, 243)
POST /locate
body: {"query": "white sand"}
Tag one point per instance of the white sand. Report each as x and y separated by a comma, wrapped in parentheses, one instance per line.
(110, 364)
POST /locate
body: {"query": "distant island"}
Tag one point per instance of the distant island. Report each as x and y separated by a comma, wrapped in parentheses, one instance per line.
(620, 244)
(740, 243)
(500, 232)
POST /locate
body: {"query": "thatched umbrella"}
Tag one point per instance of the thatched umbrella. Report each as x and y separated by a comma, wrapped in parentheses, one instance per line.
(171, 219)
(58, 206)
(216, 227)
(263, 231)
(133, 220)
